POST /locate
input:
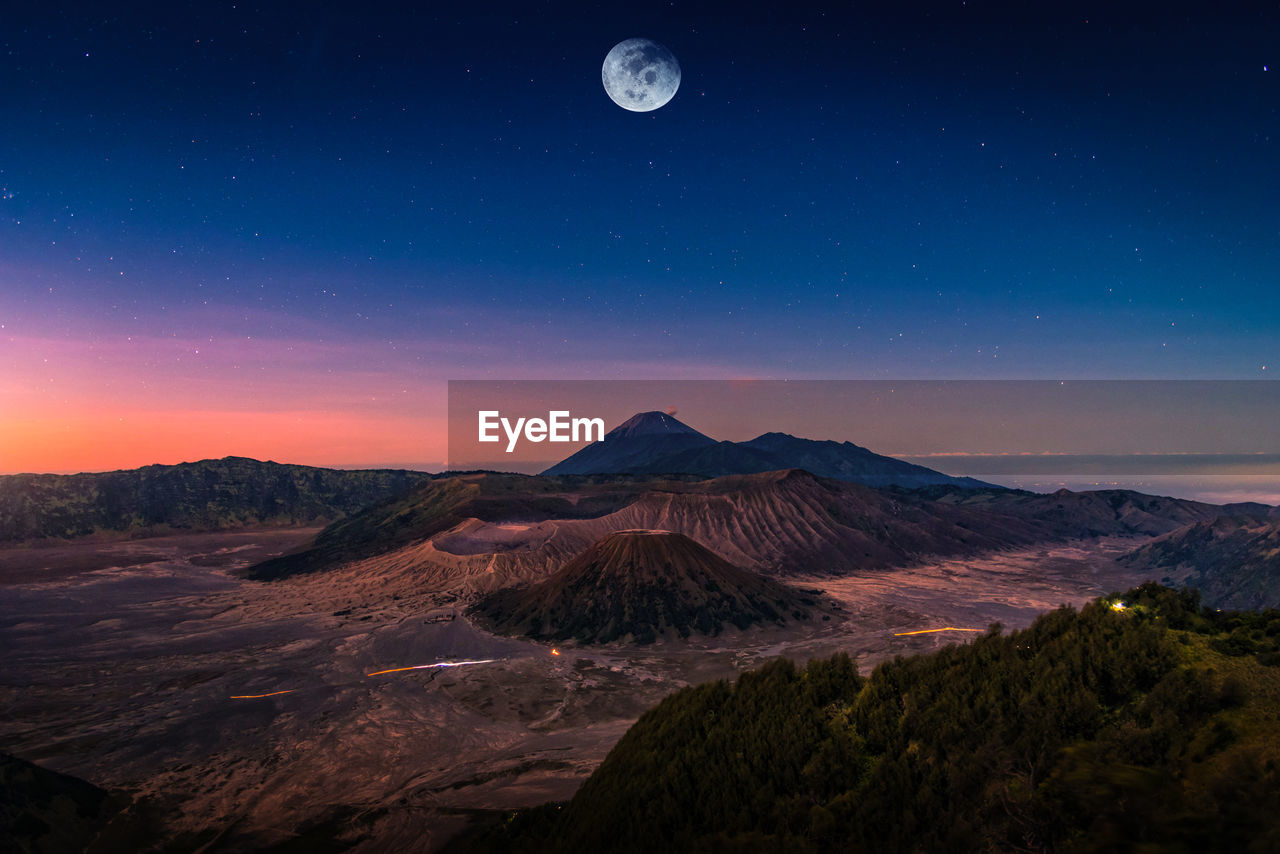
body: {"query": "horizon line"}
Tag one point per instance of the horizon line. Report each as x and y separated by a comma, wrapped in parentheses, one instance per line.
(439, 467)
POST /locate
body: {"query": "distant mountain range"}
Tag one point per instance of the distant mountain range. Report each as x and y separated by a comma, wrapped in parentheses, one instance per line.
(1234, 561)
(654, 443)
(232, 492)
(479, 532)
(1095, 513)
(641, 586)
(236, 492)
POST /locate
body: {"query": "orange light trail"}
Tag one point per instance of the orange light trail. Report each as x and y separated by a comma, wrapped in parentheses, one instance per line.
(256, 696)
(427, 666)
(927, 631)
(555, 651)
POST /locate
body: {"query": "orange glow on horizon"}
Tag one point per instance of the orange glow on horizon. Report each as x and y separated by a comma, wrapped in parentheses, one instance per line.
(101, 403)
(107, 440)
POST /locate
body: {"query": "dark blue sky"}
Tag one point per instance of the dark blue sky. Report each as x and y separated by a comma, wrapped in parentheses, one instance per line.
(416, 192)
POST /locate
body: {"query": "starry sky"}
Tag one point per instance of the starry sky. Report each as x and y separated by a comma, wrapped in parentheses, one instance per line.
(277, 230)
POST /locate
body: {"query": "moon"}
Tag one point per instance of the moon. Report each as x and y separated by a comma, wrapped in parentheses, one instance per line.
(640, 75)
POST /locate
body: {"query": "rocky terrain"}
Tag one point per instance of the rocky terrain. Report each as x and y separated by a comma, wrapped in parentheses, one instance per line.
(1234, 561)
(210, 495)
(641, 586)
(479, 642)
(481, 532)
(239, 714)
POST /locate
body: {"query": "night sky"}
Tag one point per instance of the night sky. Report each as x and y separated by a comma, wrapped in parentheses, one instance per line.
(277, 230)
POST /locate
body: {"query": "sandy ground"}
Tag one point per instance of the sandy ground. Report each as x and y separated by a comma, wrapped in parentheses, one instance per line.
(124, 661)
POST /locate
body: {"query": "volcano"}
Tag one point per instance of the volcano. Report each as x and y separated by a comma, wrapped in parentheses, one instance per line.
(642, 585)
(654, 443)
(633, 446)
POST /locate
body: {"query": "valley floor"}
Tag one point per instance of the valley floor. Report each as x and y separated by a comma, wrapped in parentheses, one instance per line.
(138, 665)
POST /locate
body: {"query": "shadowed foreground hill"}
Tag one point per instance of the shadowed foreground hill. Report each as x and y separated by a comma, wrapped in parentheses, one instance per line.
(209, 495)
(1150, 727)
(642, 585)
(44, 811)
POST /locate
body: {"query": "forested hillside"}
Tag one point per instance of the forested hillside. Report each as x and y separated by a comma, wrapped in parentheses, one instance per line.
(1154, 725)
